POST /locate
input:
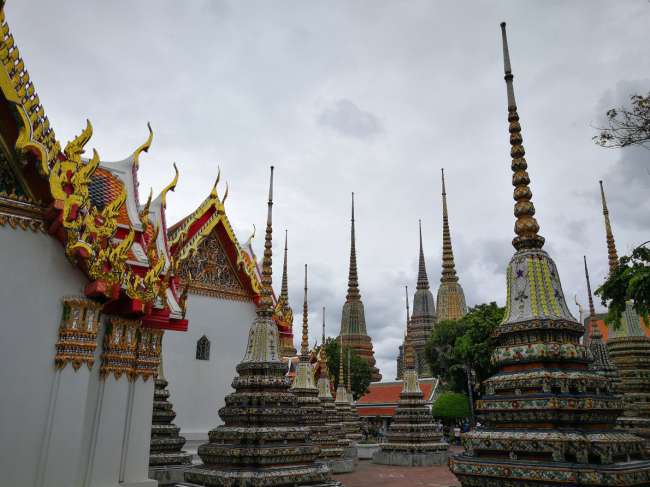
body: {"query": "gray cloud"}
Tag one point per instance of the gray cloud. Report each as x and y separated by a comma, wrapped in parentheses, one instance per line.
(348, 119)
(244, 84)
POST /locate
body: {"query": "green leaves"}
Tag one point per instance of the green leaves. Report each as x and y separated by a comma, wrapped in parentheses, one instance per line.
(630, 282)
(454, 345)
(361, 373)
(451, 406)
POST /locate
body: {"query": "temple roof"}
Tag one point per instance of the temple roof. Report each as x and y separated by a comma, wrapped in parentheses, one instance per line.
(382, 397)
(210, 218)
(91, 206)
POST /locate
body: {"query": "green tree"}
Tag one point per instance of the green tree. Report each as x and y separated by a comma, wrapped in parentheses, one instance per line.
(361, 373)
(450, 407)
(630, 281)
(468, 342)
(627, 125)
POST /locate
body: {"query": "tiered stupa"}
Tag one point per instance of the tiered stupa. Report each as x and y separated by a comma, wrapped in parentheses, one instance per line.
(353, 320)
(451, 297)
(629, 348)
(166, 458)
(264, 441)
(283, 314)
(413, 439)
(334, 450)
(304, 387)
(424, 316)
(602, 364)
(548, 420)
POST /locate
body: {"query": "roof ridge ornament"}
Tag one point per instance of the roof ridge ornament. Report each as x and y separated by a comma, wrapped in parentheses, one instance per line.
(526, 226)
(170, 187)
(143, 148)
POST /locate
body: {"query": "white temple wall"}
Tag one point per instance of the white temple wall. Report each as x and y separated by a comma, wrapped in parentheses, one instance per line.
(64, 427)
(36, 276)
(198, 387)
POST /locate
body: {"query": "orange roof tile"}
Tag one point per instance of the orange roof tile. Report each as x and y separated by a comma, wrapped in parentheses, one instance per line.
(385, 393)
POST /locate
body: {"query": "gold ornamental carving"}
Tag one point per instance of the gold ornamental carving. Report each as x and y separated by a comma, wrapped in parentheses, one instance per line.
(77, 333)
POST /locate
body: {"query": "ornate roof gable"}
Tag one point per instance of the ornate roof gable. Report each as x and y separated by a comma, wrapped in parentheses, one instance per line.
(91, 206)
(208, 254)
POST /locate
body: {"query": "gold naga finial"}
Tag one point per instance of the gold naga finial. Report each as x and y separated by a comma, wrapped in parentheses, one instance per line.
(225, 194)
(304, 344)
(266, 301)
(75, 147)
(144, 214)
(170, 187)
(526, 226)
(143, 148)
(213, 193)
(612, 254)
(250, 239)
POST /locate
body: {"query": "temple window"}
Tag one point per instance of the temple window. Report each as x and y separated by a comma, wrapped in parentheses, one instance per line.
(203, 348)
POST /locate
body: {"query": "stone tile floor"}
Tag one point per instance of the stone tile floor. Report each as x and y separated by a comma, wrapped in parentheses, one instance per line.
(368, 474)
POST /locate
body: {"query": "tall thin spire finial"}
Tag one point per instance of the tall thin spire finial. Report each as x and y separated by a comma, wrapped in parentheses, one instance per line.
(423, 280)
(266, 301)
(408, 310)
(448, 264)
(341, 381)
(353, 278)
(323, 341)
(284, 291)
(593, 333)
(612, 254)
(526, 226)
(304, 344)
(349, 376)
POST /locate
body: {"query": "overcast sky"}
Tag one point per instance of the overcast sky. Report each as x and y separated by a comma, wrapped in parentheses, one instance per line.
(366, 96)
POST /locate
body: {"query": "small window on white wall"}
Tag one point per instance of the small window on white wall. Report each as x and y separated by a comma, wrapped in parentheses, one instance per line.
(203, 348)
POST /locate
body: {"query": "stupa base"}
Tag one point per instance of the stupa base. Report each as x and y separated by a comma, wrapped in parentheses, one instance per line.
(405, 458)
(351, 451)
(342, 465)
(316, 475)
(475, 472)
(167, 475)
(170, 459)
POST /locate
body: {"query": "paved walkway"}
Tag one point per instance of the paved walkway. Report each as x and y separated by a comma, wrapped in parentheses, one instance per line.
(368, 474)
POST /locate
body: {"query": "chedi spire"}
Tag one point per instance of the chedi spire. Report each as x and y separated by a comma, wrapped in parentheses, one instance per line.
(283, 314)
(353, 321)
(547, 418)
(612, 255)
(288, 456)
(420, 326)
(451, 297)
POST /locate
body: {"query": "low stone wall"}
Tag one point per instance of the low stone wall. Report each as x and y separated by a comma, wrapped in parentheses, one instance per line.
(405, 459)
(365, 451)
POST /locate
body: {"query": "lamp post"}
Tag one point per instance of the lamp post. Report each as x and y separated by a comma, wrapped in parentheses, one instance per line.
(470, 391)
